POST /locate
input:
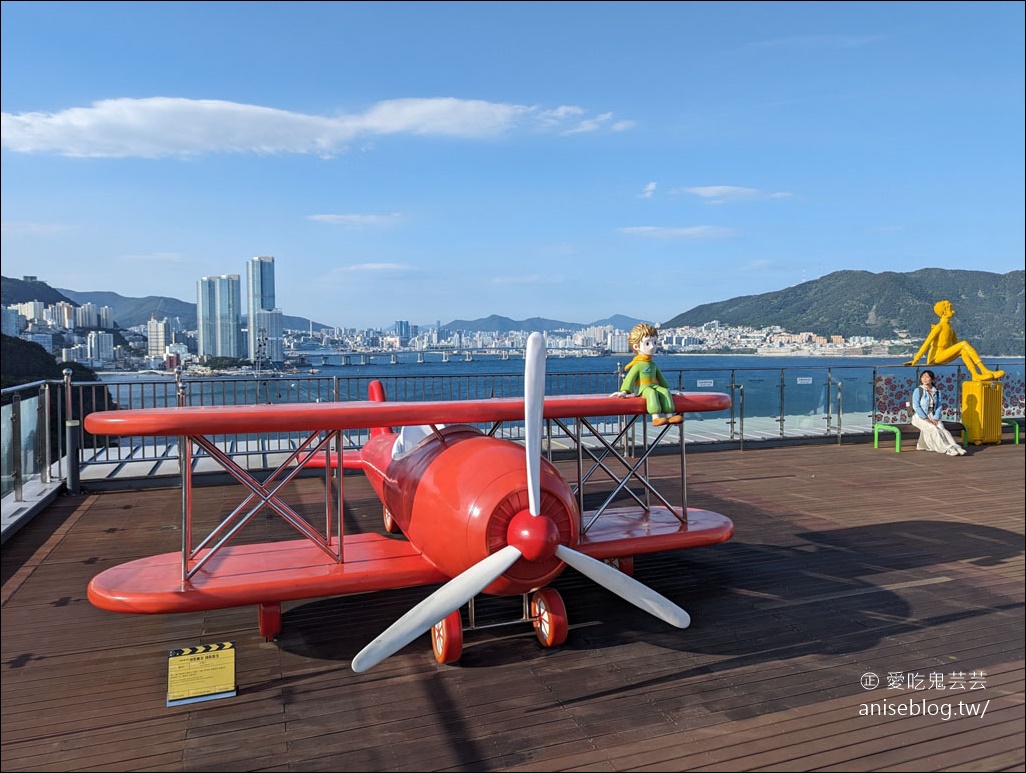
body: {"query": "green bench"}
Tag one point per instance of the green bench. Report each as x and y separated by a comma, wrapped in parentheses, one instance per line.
(1015, 424)
(897, 429)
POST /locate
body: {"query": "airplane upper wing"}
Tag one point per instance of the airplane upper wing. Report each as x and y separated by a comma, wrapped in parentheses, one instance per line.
(362, 414)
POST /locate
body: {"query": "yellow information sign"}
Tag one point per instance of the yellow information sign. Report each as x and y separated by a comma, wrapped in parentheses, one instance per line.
(201, 673)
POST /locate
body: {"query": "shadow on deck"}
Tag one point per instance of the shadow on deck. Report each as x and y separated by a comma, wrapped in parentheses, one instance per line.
(846, 561)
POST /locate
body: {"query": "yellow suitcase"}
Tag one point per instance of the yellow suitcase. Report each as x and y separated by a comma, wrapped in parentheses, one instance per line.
(981, 411)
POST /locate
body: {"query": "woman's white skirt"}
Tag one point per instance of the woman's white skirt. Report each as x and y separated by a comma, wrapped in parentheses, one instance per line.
(934, 437)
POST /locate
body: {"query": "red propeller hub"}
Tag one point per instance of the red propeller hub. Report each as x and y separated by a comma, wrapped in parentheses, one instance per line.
(535, 536)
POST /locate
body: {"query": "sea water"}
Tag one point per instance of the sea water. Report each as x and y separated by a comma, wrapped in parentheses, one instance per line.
(780, 385)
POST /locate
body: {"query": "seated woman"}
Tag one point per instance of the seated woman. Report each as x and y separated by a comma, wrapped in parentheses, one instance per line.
(926, 417)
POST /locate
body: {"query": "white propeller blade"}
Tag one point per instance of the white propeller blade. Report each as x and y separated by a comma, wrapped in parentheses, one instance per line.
(450, 597)
(534, 405)
(625, 587)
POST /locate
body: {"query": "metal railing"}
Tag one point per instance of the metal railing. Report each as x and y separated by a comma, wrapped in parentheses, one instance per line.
(43, 437)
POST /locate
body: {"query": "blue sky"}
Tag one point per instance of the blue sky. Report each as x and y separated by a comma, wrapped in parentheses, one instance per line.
(436, 161)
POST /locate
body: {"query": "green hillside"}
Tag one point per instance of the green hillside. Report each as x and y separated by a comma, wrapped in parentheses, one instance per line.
(989, 308)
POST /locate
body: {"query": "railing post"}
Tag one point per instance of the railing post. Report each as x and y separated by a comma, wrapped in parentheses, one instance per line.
(780, 417)
(741, 442)
(179, 387)
(71, 437)
(72, 443)
(840, 412)
(16, 471)
(43, 436)
(47, 419)
(733, 406)
(829, 409)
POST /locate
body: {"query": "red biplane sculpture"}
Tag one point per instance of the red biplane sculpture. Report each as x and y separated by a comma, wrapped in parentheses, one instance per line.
(479, 514)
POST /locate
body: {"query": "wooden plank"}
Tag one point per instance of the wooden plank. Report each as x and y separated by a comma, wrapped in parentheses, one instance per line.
(842, 563)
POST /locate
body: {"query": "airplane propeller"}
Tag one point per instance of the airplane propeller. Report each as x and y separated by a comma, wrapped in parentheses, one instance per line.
(530, 535)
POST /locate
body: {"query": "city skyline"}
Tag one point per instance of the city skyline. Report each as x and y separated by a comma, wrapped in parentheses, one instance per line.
(521, 159)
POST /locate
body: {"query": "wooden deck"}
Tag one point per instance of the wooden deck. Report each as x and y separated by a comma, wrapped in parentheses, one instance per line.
(847, 560)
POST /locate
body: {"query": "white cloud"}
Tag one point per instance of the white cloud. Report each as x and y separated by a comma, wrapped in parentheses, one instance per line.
(721, 194)
(357, 221)
(693, 232)
(649, 191)
(13, 228)
(157, 127)
(597, 123)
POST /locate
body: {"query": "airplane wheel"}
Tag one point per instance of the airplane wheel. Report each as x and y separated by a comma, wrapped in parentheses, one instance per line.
(447, 638)
(549, 617)
(390, 525)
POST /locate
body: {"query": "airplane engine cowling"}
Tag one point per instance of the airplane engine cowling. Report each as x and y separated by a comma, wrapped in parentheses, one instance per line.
(455, 500)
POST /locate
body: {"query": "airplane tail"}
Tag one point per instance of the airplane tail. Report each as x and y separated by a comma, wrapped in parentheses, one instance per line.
(376, 394)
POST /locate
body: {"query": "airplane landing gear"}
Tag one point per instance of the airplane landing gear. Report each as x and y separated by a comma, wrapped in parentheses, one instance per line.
(390, 525)
(548, 614)
(447, 638)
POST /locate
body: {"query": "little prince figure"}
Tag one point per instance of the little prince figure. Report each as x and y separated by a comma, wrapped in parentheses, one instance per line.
(644, 376)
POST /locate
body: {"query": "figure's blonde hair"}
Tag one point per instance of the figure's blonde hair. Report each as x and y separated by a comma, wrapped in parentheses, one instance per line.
(639, 331)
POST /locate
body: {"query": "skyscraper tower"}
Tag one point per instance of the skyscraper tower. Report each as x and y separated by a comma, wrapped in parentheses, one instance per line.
(218, 315)
(264, 324)
(156, 337)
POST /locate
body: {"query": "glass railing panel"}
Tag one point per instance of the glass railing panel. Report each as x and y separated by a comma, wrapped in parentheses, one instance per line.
(7, 450)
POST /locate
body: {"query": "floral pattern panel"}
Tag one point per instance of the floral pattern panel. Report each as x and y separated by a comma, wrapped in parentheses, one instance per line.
(1014, 397)
(890, 394)
(892, 391)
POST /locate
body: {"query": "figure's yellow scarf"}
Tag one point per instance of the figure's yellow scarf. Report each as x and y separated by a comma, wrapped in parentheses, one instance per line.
(638, 358)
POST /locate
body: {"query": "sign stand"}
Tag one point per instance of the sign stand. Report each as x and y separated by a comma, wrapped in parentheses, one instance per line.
(201, 673)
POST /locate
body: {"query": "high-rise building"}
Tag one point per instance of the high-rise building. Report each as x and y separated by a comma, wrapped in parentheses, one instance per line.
(13, 322)
(270, 338)
(87, 315)
(156, 337)
(64, 315)
(264, 330)
(218, 316)
(100, 347)
(31, 310)
(402, 331)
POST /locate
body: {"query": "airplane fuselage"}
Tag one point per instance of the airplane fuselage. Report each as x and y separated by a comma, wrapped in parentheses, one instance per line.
(456, 495)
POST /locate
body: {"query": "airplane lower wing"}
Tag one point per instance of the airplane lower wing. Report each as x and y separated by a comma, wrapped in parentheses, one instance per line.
(296, 569)
(265, 573)
(628, 531)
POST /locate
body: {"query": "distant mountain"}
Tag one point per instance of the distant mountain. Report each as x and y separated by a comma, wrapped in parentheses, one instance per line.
(20, 291)
(534, 324)
(128, 312)
(989, 308)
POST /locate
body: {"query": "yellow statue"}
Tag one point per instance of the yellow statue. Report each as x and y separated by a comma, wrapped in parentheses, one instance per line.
(942, 346)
